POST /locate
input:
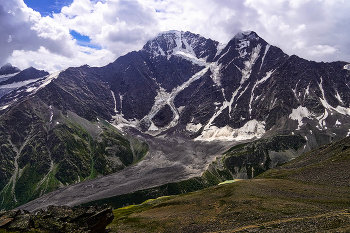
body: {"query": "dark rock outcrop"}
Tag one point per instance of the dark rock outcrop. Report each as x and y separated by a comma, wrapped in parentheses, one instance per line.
(58, 219)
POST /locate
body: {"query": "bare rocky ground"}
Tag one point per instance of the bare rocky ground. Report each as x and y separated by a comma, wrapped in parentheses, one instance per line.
(170, 159)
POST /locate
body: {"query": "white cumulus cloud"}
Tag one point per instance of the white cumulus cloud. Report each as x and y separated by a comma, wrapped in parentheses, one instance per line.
(312, 29)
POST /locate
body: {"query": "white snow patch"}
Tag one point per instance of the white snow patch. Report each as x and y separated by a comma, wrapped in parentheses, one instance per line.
(191, 57)
(19, 84)
(267, 76)
(299, 114)
(153, 127)
(219, 48)
(252, 129)
(7, 76)
(243, 91)
(337, 122)
(42, 82)
(338, 97)
(121, 103)
(120, 122)
(250, 63)
(49, 79)
(115, 102)
(180, 109)
(51, 114)
(307, 90)
(263, 58)
(191, 127)
(327, 106)
(216, 75)
(322, 119)
(347, 67)
(4, 107)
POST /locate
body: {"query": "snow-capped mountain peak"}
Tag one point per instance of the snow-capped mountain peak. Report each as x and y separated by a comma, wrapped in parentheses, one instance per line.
(186, 44)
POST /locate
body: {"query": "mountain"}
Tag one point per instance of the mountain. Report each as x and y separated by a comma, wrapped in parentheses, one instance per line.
(8, 69)
(24, 75)
(10, 82)
(189, 98)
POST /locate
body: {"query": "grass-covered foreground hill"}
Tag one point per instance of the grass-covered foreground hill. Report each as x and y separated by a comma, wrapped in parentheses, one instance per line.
(309, 194)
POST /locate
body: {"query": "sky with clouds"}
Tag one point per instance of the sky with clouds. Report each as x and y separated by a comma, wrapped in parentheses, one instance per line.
(56, 34)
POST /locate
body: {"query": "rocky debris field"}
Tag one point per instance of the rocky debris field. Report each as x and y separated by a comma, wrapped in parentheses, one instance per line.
(57, 219)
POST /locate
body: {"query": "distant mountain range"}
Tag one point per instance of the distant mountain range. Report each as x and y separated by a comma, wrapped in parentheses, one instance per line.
(182, 99)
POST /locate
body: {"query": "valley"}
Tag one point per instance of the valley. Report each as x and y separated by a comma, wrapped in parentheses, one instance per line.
(181, 115)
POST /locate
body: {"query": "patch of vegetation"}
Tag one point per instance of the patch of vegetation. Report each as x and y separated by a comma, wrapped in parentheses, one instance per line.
(51, 154)
(244, 205)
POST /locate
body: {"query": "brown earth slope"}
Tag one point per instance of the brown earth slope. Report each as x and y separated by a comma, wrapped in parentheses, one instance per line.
(309, 194)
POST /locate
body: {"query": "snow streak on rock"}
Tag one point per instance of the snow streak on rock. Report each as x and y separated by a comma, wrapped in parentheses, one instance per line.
(263, 58)
(163, 98)
(267, 76)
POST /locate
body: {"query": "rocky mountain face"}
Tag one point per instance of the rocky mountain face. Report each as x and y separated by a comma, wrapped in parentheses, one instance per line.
(179, 90)
(15, 78)
(8, 69)
(24, 75)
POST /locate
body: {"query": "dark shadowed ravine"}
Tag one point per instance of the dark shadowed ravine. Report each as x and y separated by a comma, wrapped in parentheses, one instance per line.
(170, 159)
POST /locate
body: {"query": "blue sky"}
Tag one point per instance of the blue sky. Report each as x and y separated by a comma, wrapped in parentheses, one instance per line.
(96, 32)
(46, 7)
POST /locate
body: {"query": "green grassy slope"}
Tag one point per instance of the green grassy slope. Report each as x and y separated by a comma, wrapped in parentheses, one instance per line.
(43, 149)
(308, 194)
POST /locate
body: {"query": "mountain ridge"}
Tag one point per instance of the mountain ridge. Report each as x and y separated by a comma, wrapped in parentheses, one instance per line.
(183, 90)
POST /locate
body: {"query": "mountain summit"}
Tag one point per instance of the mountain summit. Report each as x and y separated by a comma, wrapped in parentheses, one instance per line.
(8, 69)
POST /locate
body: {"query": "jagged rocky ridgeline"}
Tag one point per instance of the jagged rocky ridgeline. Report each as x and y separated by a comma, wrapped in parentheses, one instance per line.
(71, 126)
(92, 219)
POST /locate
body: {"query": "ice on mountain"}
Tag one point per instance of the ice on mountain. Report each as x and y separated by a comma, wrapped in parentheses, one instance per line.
(251, 129)
(216, 75)
(250, 63)
(263, 58)
(4, 77)
(338, 97)
(219, 48)
(19, 84)
(299, 114)
(191, 127)
(4, 107)
(347, 67)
